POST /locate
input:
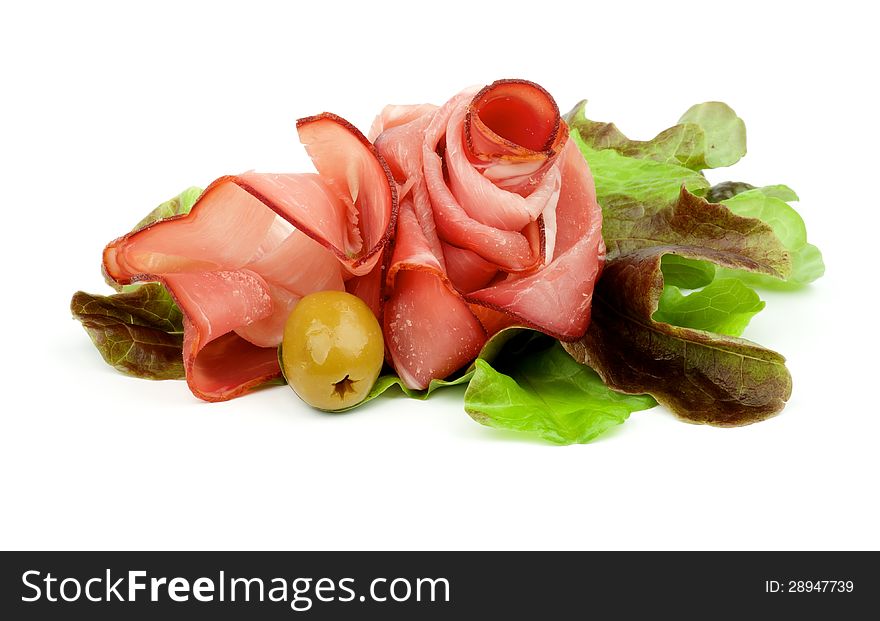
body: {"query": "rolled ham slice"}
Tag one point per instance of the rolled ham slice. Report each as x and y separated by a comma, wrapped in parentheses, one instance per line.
(255, 243)
(499, 226)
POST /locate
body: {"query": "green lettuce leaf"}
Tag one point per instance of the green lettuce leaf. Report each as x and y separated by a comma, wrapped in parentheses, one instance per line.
(177, 206)
(724, 134)
(703, 376)
(139, 333)
(708, 135)
(724, 306)
(389, 379)
(626, 183)
(686, 273)
(769, 204)
(543, 391)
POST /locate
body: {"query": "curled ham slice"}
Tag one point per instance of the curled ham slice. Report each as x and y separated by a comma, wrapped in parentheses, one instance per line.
(254, 244)
(429, 329)
(499, 225)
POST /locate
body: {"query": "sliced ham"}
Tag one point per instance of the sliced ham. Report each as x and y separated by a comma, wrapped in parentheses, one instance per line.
(556, 299)
(482, 199)
(213, 305)
(254, 244)
(467, 270)
(315, 270)
(430, 331)
(401, 146)
(500, 226)
(395, 116)
(511, 250)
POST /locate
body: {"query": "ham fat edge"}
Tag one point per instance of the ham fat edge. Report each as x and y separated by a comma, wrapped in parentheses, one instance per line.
(457, 221)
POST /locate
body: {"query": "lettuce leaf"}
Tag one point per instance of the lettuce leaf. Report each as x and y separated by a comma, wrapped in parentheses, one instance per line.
(543, 391)
(686, 273)
(625, 183)
(701, 374)
(637, 183)
(178, 206)
(708, 135)
(646, 334)
(139, 333)
(727, 189)
(770, 204)
(524, 381)
(389, 379)
(692, 221)
(724, 306)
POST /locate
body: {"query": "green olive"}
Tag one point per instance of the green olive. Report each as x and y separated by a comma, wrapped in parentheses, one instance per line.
(332, 350)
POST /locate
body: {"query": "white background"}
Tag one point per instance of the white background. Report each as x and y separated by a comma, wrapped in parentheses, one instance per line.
(107, 111)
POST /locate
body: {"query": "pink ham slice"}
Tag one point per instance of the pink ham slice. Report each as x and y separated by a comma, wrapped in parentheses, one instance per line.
(510, 250)
(214, 304)
(499, 226)
(315, 270)
(557, 298)
(429, 329)
(253, 244)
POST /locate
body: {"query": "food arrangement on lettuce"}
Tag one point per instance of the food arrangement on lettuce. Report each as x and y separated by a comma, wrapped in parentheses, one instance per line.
(567, 274)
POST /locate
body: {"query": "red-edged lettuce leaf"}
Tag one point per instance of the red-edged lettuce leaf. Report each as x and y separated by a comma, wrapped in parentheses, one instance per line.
(139, 333)
(702, 376)
(693, 221)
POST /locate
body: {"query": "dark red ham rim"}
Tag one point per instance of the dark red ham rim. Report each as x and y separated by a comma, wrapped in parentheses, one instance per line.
(551, 145)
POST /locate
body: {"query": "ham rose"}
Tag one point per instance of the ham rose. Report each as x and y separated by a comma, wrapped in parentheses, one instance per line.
(498, 225)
